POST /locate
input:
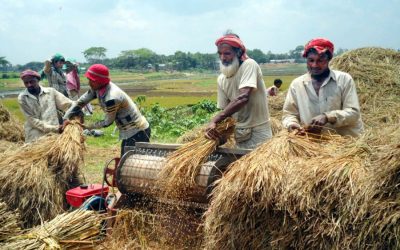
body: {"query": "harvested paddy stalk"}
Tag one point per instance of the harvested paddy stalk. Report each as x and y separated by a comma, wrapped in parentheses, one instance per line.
(75, 230)
(181, 166)
(10, 129)
(66, 154)
(241, 213)
(35, 177)
(376, 72)
(9, 222)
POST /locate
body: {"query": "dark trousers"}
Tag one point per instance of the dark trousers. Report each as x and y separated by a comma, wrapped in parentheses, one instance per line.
(141, 136)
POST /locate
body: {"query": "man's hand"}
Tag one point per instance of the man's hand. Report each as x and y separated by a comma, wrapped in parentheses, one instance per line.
(319, 120)
(211, 132)
(62, 127)
(297, 128)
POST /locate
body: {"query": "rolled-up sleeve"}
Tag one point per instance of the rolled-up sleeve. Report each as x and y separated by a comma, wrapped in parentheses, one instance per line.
(350, 113)
(290, 114)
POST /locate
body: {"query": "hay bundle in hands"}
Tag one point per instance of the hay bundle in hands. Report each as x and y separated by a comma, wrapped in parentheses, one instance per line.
(66, 154)
(241, 212)
(35, 177)
(376, 72)
(9, 222)
(182, 166)
(79, 229)
(10, 129)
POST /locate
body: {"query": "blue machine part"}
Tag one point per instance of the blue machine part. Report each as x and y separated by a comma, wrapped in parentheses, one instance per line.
(95, 203)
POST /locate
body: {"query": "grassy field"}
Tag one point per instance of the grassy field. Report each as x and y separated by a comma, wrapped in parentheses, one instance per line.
(167, 89)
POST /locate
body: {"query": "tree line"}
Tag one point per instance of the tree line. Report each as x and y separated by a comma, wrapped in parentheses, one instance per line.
(146, 59)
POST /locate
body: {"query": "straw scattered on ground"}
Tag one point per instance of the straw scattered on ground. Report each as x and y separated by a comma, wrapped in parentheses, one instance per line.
(75, 230)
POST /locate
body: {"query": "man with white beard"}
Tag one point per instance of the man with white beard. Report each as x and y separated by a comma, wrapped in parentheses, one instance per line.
(241, 94)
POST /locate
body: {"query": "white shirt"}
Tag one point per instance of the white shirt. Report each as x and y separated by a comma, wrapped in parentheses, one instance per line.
(255, 112)
(337, 99)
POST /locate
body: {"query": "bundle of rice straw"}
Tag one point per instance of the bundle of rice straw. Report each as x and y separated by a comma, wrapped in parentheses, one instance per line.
(181, 166)
(275, 104)
(321, 200)
(378, 220)
(376, 72)
(67, 152)
(31, 178)
(79, 229)
(241, 213)
(9, 222)
(276, 125)
(10, 129)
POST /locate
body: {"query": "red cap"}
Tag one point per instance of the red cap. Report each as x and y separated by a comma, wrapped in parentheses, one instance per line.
(29, 72)
(99, 74)
(321, 45)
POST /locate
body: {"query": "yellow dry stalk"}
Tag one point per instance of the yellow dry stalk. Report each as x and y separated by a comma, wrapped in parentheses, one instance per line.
(9, 222)
(79, 229)
(66, 153)
(182, 166)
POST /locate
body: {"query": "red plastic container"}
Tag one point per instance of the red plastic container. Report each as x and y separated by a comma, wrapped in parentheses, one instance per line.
(77, 196)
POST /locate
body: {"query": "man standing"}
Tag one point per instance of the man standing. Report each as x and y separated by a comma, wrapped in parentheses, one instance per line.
(39, 106)
(54, 73)
(118, 106)
(322, 98)
(241, 94)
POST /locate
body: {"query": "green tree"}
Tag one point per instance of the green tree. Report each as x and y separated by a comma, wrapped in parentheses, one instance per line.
(297, 53)
(257, 55)
(95, 54)
(4, 64)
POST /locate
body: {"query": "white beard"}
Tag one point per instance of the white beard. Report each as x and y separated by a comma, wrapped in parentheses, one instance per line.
(231, 69)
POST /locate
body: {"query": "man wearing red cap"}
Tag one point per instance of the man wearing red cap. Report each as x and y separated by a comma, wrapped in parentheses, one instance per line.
(241, 94)
(118, 106)
(322, 98)
(39, 106)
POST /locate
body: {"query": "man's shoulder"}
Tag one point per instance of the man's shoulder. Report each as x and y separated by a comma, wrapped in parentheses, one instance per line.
(341, 74)
(250, 63)
(300, 79)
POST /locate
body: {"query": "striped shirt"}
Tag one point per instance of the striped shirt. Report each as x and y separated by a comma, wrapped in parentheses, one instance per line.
(118, 107)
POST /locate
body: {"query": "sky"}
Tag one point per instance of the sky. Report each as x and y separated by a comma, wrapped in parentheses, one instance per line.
(35, 30)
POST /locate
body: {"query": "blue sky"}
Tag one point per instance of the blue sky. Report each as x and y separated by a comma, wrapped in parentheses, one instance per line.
(34, 30)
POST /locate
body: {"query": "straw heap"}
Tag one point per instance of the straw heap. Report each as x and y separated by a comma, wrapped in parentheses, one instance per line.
(376, 72)
(182, 166)
(31, 178)
(10, 129)
(79, 229)
(9, 222)
(241, 212)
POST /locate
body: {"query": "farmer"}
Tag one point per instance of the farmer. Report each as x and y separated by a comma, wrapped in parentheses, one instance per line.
(274, 89)
(322, 98)
(117, 105)
(54, 73)
(241, 94)
(39, 106)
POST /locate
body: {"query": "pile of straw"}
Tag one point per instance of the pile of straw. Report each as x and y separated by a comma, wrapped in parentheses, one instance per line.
(241, 213)
(182, 166)
(76, 230)
(275, 104)
(10, 129)
(9, 222)
(376, 72)
(35, 177)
